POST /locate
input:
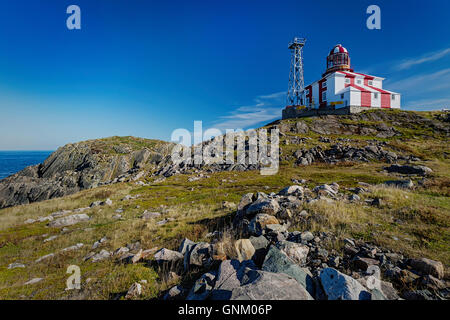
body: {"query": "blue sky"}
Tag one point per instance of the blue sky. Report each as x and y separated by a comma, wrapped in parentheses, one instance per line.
(145, 68)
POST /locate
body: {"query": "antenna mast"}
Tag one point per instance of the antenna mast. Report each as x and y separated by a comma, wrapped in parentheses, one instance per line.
(296, 81)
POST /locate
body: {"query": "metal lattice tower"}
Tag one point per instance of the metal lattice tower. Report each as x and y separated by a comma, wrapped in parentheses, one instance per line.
(296, 81)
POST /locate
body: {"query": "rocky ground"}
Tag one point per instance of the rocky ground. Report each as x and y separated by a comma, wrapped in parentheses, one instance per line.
(273, 263)
(364, 216)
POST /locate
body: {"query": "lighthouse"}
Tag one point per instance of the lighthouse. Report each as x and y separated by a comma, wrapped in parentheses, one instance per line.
(341, 90)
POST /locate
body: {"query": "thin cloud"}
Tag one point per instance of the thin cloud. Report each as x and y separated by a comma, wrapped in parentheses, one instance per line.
(422, 83)
(431, 56)
(266, 108)
(429, 104)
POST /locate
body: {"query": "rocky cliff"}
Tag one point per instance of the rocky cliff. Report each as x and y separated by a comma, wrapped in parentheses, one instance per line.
(82, 165)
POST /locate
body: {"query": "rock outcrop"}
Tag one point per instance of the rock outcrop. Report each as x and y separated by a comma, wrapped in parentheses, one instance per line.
(82, 165)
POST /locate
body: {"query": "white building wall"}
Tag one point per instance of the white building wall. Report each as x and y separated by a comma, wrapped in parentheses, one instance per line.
(376, 102)
(355, 98)
(396, 102)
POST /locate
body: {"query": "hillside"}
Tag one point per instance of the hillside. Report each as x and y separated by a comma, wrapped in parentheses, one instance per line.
(367, 189)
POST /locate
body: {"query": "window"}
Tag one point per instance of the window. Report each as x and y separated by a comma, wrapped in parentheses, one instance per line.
(324, 84)
(370, 83)
(342, 96)
(393, 97)
(375, 95)
(359, 81)
(307, 91)
(347, 80)
(324, 96)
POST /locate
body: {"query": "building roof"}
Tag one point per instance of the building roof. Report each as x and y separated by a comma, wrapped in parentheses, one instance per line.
(338, 49)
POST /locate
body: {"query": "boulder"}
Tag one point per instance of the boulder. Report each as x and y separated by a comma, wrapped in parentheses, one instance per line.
(295, 189)
(259, 222)
(229, 277)
(338, 286)
(428, 266)
(405, 184)
(16, 265)
(276, 261)
(201, 255)
(134, 292)
(202, 287)
(408, 169)
(260, 244)
(102, 255)
(167, 256)
(33, 281)
(150, 215)
(244, 249)
(186, 246)
(364, 263)
(296, 251)
(69, 220)
(263, 205)
(245, 201)
(175, 293)
(263, 285)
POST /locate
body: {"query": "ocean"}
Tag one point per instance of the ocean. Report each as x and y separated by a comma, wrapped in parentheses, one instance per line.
(14, 161)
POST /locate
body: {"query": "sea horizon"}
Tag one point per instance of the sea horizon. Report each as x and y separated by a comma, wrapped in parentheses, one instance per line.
(13, 161)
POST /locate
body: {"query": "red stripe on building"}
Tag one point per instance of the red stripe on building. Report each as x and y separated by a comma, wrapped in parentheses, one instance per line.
(309, 96)
(321, 90)
(385, 96)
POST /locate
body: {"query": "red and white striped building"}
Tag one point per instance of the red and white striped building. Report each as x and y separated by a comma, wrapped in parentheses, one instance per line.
(341, 87)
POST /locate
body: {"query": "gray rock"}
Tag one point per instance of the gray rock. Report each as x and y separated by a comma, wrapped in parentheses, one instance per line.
(167, 256)
(405, 184)
(202, 287)
(260, 244)
(150, 215)
(74, 247)
(295, 189)
(259, 223)
(47, 256)
(245, 201)
(186, 246)
(175, 293)
(306, 236)
(50, 238)
(244, 249)
(134, 292)
(102, 255)
(263, 205)
(428, 266)
(16, 265)
(201, 255)
(408, 169)
(276, 261)
(296, 251)
(263, 285)
(69, 220)
(33, 281)
(338, 286)
(229, 277)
